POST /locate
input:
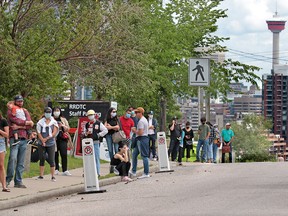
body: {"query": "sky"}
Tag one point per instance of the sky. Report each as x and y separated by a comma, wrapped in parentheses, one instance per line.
(250, 40)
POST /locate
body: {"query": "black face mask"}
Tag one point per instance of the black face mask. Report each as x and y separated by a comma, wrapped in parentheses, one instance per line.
(187, 127)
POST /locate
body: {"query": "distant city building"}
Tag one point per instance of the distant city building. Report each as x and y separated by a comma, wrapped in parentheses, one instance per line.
(275, 103)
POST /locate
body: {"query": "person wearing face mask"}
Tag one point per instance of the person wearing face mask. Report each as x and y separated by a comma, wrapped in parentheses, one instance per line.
(127, 125)
(47, 129)
(112, 124)
(175, 138)
(152, 134)
(61, 141)
(204, 133)
(94, 129)
(187, 141)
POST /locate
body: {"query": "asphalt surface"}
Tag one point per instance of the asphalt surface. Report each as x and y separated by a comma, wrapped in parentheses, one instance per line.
(193, 189)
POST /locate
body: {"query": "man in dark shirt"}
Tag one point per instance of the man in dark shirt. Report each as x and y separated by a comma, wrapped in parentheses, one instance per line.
(175, 137)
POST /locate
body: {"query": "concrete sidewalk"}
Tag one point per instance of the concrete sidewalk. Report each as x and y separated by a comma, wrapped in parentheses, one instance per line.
(39, 190)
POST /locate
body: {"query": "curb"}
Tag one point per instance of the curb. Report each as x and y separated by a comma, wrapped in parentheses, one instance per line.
(60, 192)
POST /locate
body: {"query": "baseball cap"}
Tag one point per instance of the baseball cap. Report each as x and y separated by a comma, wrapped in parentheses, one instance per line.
(90, 112)
(228, 124)
(150, 112)
(47, 110)
(139, 110)
(174, 118)
(18, 98)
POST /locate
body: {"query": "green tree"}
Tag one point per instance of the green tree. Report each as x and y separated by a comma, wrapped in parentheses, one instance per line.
(251, 142)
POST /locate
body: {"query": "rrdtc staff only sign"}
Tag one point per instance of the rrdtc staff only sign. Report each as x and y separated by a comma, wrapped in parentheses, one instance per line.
(79, 108)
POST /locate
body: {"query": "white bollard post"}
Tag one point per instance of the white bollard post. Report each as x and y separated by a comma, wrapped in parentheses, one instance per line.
(90, 172)
(163, 160)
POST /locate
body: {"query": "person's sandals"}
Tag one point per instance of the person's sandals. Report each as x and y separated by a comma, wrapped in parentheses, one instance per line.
(6, 190)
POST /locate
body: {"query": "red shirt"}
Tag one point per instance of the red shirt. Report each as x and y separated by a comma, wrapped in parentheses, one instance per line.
(126, 124)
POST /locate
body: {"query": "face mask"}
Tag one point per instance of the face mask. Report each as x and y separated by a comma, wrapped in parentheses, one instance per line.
(128, 115)
(150, 116)
(113, 115)
(132, 112)
(91, 117)
(187, 127)
(48, 115)
(56, 114)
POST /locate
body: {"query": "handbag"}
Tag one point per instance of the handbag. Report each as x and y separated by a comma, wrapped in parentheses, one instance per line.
(65, 136)
(225, 148)
(217, 142)
(119, 135)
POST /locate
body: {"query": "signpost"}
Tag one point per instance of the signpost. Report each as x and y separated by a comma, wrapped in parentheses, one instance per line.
(163, 160)
(199, 75)
(90, 173)
(199, 72)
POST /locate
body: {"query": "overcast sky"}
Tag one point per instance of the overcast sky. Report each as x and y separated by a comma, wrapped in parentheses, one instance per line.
(250, 38)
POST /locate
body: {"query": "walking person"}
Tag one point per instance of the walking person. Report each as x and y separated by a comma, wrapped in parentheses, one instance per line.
(142, 144)
(47, 130)
(204, 133)
(121, 161)
(112, 124)
(152, 134)
(175, 137)
(22, 123)
(61, 142)
(188, 140)
(94, 129)
(227, 137)
(4, 134)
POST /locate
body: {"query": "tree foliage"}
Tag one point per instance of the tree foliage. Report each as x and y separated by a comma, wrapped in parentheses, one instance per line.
(250, 141)
(134, 52)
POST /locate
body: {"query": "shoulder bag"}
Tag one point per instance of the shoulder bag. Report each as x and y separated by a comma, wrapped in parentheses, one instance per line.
(119, 135)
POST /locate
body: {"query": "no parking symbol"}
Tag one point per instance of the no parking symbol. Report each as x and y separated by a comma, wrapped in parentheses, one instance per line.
(161, 141)
(88, 150)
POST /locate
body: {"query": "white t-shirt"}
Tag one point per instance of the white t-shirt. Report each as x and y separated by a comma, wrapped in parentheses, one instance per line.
(150, 131)
(143, 124)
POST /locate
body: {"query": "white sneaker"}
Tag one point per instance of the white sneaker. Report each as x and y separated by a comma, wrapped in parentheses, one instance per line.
(66, 173)
(132, 174)
(144, 176)
(116, 172)
(56, 172)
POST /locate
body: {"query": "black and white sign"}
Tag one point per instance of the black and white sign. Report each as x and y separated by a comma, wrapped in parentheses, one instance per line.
(199, 72)
(79, 108)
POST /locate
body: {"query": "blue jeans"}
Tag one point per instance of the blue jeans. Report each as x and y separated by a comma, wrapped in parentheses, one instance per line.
(210, 151)
(97, 155)
(112, 147)
(16, 162)
(215, 149)
(204, 145)
(142, 147)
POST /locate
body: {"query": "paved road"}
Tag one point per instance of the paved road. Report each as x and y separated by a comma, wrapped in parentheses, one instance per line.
(194, 189)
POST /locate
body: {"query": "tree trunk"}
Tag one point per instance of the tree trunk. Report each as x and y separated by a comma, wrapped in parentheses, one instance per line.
(163, 105)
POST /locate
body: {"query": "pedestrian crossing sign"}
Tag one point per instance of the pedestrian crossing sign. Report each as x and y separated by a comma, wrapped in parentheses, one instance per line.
(199, 72)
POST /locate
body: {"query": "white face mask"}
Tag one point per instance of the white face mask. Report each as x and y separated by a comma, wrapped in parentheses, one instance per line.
(56, 114)
(113, 114)
(91, 117)
(150, 116)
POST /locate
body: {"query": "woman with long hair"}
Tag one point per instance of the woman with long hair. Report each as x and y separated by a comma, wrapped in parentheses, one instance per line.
(61, 141)
(4, 133)
(112, 124)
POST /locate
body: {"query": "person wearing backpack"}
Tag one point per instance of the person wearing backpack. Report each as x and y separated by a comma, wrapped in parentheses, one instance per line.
(95, 129)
